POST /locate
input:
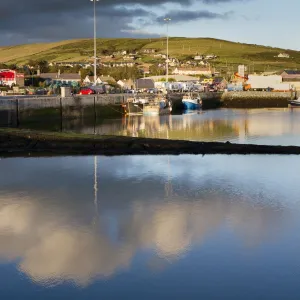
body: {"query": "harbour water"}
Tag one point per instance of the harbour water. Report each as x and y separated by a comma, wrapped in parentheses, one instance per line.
(150, 227)
(255, 126)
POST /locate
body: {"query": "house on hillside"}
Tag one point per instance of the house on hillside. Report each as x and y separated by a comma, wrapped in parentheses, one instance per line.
(192, 71)
(210, 56)
(159, 55)
(149, 51)
(283, 55)
(199, 57)
(144, 70)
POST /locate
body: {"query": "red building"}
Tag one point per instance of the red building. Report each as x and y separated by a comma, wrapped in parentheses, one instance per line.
(11, 77)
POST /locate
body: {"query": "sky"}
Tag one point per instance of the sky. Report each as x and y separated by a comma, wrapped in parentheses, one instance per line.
(265, 22)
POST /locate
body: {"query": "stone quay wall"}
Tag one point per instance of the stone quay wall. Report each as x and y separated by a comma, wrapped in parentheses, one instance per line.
(14, 111)
(252, 99)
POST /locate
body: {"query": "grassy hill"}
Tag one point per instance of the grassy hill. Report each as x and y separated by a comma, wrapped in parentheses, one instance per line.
(229, 54)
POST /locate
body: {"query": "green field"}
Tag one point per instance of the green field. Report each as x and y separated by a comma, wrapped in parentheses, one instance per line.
(230, 54)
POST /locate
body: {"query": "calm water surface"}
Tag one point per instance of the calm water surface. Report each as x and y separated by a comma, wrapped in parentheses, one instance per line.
(256, 126)
(187, 227)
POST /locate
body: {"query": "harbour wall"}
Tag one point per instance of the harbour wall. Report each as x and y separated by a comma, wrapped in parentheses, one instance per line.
(252, 99)
(14, 112)
(28, 110)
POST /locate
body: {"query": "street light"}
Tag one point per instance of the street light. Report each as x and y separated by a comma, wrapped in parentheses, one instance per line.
(167, 20)
(95, 42)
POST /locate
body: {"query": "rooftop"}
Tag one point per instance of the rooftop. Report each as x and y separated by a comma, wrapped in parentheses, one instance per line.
(176, 77)
(292, 72)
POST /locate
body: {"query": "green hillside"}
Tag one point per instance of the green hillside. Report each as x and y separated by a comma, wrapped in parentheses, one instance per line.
(229, 54)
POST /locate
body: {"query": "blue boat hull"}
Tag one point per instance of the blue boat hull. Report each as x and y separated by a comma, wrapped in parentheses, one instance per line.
(190, 105)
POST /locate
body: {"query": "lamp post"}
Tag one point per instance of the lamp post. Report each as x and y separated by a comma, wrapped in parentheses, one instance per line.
(95, 42)
(167, 20)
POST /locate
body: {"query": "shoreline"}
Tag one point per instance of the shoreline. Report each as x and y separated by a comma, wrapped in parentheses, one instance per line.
(27, 143)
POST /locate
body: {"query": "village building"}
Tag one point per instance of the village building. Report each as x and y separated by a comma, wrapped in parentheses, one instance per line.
(199, 57)
(177, 78)
(11, 77)
(149, 51)
(283, 55)
(126, 84)
(144, 70)
(210, 56)
(144, 84)
(292, 77)
(68, 78)
(100, 80)
(159, 55)
(220, 82)
(192, 71)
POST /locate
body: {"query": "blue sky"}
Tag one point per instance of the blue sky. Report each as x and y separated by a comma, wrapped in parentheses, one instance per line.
(265, 22)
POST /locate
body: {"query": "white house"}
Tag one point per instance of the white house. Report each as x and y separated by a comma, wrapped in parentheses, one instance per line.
(198, 57)
(283, 55)
(126, 83)
(100, 80)
(192, 71)
(210, 56)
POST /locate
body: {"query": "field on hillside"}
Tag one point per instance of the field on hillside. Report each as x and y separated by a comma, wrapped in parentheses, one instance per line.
(229, 54)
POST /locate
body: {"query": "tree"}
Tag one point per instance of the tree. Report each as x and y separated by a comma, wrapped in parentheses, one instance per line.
(44, 66)
(12, 66)
(3, 66)
(155, 70)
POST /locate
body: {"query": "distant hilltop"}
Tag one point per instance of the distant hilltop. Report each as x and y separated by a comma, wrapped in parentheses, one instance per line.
(146, 52)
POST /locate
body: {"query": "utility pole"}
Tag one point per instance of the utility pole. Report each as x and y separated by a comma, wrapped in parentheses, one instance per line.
(167, 20)
(95, 42)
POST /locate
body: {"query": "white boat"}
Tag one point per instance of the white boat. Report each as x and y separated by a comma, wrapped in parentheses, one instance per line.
(159, 106)
(295, 102)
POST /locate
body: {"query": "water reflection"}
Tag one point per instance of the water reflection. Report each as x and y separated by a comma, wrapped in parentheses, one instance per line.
(61, 235)
(265, 126)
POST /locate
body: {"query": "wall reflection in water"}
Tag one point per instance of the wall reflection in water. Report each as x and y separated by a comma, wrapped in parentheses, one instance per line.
(271, 126)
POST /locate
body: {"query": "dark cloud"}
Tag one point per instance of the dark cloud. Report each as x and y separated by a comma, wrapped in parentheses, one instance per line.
(34, 21)
(186, 15)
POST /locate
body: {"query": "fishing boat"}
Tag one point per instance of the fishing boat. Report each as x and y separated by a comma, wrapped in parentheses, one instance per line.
(159, 106)
(295, 102)
(192, 101)
(134, 106)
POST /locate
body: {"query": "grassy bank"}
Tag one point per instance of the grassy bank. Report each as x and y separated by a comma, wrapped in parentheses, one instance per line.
(14, 142)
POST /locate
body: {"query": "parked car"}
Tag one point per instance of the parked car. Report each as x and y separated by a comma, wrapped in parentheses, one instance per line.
(41, 91)
(87, 91)
(99, 89)
(130, 91)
